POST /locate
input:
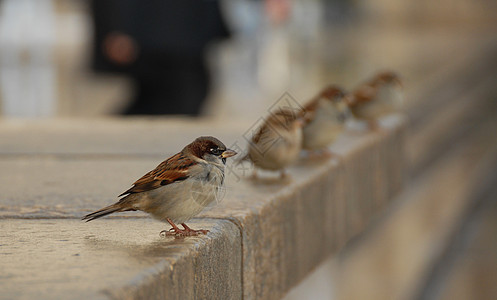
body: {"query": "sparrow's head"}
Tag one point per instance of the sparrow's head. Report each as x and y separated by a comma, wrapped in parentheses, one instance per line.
(333, 93)
(336, 104)
(209, 149)
(388, 77)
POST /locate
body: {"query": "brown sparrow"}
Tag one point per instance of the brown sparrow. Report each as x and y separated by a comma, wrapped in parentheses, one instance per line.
(277, 142)
(380, 96)
(324, 118)
(179, 188)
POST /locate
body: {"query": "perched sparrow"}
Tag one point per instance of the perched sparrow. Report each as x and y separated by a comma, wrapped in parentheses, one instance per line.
(324, 118)
(277, 142)
(380, 96)
(179, 188)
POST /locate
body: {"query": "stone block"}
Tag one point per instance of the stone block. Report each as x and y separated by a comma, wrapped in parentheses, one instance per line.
(289, 227)
(117, 258)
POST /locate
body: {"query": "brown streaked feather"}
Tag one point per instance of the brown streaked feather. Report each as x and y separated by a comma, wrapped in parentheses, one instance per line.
(256, 138)
(364, 94)
(312, 105)
(328, 93)
(369, 90)
(387, 77)
(171, 170)
(280, 118)
(309, 111)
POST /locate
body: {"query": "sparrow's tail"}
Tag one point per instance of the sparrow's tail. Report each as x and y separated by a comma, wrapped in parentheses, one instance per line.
(104, 211)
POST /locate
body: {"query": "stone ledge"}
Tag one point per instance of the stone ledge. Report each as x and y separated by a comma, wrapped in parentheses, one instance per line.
(286, 227)
(68, 259)
(291, 232)
(395, 259)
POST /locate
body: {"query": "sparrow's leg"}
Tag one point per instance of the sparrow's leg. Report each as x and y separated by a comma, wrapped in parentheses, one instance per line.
(193, 231)
(283, 174)
(327, 153)
(254, 174)
(175, 231)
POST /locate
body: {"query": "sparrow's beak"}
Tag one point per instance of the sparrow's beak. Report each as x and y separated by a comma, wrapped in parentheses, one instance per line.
(228, 153)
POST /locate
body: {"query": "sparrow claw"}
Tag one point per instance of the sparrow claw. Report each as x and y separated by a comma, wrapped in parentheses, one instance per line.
(169, 232)
(178, 233)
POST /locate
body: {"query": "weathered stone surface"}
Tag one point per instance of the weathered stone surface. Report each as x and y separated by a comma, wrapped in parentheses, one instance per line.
(393, 261)
(290, 227)
(287, 227)
(474, 266)
(125, 259)
(99, 138)
(63, 168)
(449, 106)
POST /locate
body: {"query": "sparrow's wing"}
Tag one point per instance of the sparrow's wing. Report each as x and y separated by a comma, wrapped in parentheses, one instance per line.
(309, 110)
(364, 94)
(175, 168)
(257, 137)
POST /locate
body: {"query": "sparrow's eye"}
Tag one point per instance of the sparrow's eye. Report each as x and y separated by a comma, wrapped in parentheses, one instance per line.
(216, 151)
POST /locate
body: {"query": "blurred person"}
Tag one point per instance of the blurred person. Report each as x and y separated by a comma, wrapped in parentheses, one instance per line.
(254, 67)
(27, 70)
(161, 45)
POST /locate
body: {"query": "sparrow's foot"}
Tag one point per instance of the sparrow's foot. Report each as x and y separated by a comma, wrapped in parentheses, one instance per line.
(177, 232)
(193, 231)
(182, 232)
(332, 155)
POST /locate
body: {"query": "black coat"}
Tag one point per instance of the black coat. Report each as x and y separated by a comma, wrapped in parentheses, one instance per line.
(164, 29)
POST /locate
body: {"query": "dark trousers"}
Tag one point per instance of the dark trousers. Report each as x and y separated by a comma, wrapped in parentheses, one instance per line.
(169, 85)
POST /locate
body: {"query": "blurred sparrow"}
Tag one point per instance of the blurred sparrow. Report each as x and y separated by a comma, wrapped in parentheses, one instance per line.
(277, 142)
(324, 118)
(380, 96)
(179, 188)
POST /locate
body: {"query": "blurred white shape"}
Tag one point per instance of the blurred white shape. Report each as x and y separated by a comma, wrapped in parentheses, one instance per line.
(238, 61)
(266, 59)
(27, 71)
(274, 61)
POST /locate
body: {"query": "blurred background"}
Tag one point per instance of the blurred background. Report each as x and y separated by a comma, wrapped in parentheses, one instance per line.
(233, 59)
(55, 54)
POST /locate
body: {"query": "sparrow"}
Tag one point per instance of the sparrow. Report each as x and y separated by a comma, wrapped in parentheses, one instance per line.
(178, 188)
(277, 142)
(324, 118)
(380, 96)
